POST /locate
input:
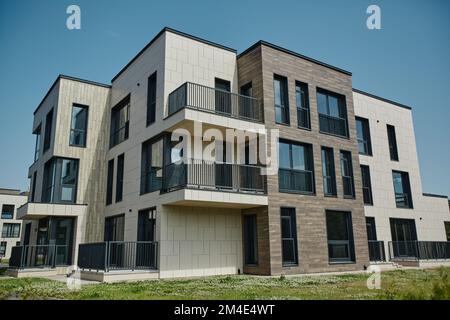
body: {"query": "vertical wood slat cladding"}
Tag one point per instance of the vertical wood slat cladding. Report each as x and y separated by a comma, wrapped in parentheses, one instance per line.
(259, 67)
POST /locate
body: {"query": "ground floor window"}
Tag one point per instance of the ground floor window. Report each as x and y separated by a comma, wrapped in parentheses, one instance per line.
(340, 237)
(250, 239)
(289, 237)
(11, 230)
(114, 228)
(2, 248)
(447, 229)
(404, 237)
(146, 225)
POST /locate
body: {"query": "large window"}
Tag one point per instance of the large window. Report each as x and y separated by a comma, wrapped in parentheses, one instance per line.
(120, 122)
(340, 237)
(109, 182)
(392, 140)
(402, 189)
(151, 99)
(11, 230)
(371, 229)
(78, 128)
(328, 172)
(332, 113)
(119, 177)
(347, 174)
(37, 147)
(447, 229)
(280, 88)
(114, 228)
(366, 185)
(302, 102)
(48, 130)
(363, 136)
(152, 165)
(2, 249)
(60, 181)
(250, 239)
(8, 211)
(289, 237)
(296, 172)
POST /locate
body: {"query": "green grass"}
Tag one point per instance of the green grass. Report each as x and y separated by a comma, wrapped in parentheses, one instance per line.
(399, 284)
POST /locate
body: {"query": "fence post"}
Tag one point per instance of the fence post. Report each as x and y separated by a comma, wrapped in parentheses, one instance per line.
(107, 247)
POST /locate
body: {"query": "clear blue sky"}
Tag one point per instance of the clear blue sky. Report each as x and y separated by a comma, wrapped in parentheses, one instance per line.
(407, 61)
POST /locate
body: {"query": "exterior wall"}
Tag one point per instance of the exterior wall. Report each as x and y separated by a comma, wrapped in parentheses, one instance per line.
(259, 66)
(429, 213)
(17, 200)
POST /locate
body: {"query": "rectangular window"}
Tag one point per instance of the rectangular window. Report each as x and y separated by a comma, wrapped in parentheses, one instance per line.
(151, 99)
(332, 113)
(402, 189)
(247, 107)
(33, 187)
(8, 211)
(340, 237)
(347, 174)
(78, 128)
(363, 136)
(296, 169)
(147, 224)
(119, 177)
(328, 172)
(60, 181)
(11, 230)
(2, 249)
(250, 239)
(289, 249)
(109, 182)
(120, 122)
(393, 152)
(302, 102)
(366, 185)
(114, 228)
(48, 130)
(371, 230)
(281, 99)
(447, 229)
(37, 147)
(152, 165)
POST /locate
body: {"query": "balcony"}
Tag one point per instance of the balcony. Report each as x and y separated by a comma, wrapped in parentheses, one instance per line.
(419, 250)
(215, 101)
(297, 181)
(38, 210)
(39, 256)
(333, 125)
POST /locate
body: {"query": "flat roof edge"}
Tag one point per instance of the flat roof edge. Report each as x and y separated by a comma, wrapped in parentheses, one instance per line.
(382, 99)
(434, 195)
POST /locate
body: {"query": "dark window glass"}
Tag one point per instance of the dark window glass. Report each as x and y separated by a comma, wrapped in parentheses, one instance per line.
(151, 99)
(302, 102)
(402, 189)
(147, 225)
(11, 230)
(363, 136)
(247, 90)
(281, 100)
(289, 237)
(119, 178)
(33, 187)
(60, 181)
(296, 170)
(328, 172)
(393, 152)
(152, 165)
(332, 113)
(371, 229)
(48, 130)
(8, 211)
(247, 107)
(2, 249)
(447, 229)
(347, 174)
(78, 129)
(340, 236)
(114, 228)
(37, 148)
(404, 239)
(250, 239)
(366, 185)
(222, 96)
(109, 182)
(120, 122)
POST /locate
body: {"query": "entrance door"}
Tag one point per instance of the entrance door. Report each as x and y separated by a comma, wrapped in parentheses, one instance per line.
(26, 237)
(404, 238)
(62, 236)
(223, 96)
(146, 249)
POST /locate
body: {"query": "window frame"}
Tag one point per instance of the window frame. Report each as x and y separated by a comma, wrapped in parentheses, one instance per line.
(299, 86)
(11, 206)
(120, 172)
(342, 109)
(37, 146)
(119, 220)
(147, 170)
(284, 99)
(349, 163)
(447, 229)
(11, 230)
(110, 182)
(365, 139)
(392, 142)
(152, 88)
(53, 184)
(350, 242)
(114, 137)
(366, 179)
(85, 130)
(253, 220)
(289, 213)
(406, 184)
(329, 155)
(48, 130)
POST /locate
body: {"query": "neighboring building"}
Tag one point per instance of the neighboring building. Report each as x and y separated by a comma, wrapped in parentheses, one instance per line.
(108, 191)
(10, 226)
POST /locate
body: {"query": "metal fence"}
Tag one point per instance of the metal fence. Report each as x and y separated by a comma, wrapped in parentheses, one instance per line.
(376, 251)
(40, 256)
(333, 125)
(419, 250)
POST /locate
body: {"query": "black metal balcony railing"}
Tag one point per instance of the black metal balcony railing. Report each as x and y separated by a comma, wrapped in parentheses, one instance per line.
(419, 250)
(196, 96)
(296, 180)
(118, 255)
(212, 175)
(333, 125)
(39, 256)
(303, 118)
(376, 251)
(347, 183)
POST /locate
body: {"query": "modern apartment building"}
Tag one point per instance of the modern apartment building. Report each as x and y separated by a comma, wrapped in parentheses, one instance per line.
(10, 226)
(154, 176)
